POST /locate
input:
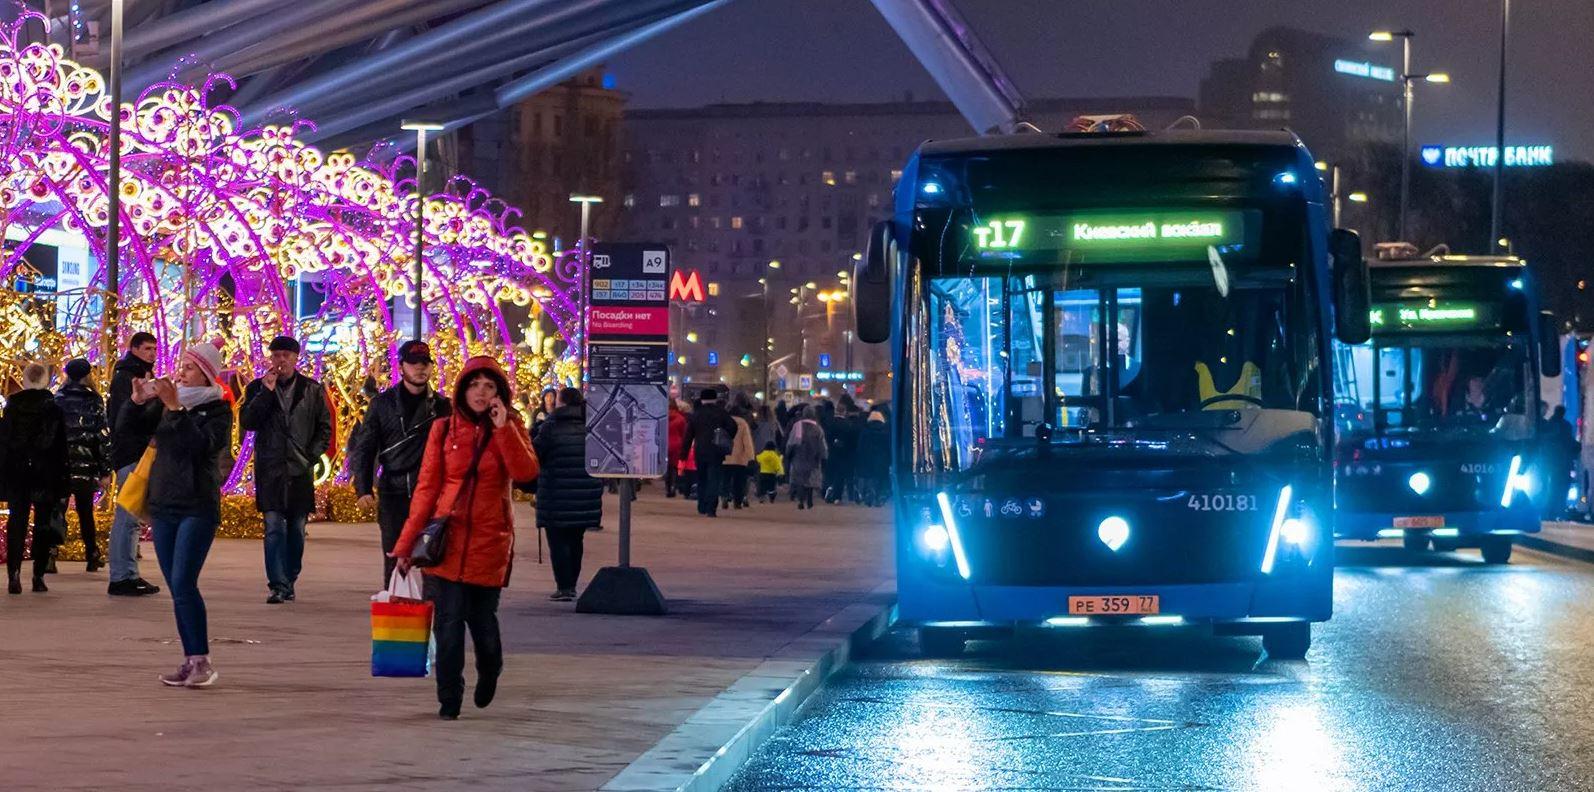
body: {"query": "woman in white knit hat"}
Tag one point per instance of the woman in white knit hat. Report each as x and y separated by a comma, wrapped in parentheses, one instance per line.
(193, 446)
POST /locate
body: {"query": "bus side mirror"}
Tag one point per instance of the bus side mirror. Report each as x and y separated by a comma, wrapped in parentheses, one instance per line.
(1352, 300)
(1549, 345)
(871, 285)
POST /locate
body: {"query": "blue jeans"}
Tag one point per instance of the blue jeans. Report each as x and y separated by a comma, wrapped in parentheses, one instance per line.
(284, 549)
(181, 544)
(124, 537)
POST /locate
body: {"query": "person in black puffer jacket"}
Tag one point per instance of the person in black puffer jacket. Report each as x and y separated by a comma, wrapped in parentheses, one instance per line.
(88, 451)
(569, 502)
(35, 473)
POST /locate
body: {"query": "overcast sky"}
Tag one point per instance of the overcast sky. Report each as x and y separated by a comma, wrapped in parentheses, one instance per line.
(842, 50)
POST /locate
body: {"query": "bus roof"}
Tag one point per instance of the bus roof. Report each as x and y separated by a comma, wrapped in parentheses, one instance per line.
(1174, 137)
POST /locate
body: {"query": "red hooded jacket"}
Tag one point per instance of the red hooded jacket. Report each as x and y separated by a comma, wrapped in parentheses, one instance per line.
(678, 426)
(481, 533)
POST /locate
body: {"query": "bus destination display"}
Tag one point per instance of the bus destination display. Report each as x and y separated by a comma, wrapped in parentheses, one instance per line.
(1433, 316)
(1110, 237)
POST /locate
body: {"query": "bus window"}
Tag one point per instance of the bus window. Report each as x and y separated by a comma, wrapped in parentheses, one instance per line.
(968, 360)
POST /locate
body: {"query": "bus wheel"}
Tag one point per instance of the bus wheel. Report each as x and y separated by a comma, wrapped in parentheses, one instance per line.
(941, 642)
(1288, 641)
(1496, 549)
(1415, 541)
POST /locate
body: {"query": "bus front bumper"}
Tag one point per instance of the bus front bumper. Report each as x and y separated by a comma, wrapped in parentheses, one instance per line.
(1463, 525)
(1307, 598)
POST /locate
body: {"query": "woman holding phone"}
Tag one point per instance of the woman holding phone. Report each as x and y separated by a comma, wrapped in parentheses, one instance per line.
(193, 447)
(471, 461)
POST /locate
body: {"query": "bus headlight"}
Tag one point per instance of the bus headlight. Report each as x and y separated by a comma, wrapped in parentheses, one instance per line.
(1516, 480)
(1419, 482)
(935, 539)
(1292, 535)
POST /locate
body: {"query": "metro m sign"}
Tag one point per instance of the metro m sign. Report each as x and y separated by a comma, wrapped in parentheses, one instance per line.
(686, 286)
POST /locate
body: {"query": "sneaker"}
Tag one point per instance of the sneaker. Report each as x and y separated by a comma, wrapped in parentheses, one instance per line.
(120, 588)
(276, 598)
(557, 596)
(200, 674)
(179, 678)
(144, 588)
(564, 595)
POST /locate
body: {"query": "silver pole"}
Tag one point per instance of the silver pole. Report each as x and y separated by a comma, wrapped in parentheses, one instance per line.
(1405, 139)
(113, 253)
(1497, 207)
(420, 217)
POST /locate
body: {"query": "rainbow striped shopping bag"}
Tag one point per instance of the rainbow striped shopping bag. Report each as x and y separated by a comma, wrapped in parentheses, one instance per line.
(400, 638)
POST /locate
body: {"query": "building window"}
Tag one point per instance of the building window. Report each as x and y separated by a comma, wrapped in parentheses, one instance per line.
(850, 177)
(736, 246)
(669, 200)
(874, 199)
(896, 175)
(783, 154)
(713, 288)
(667, 224)
(1269, 96)
(693, 199)
(758, 246)
(630, 200)
(824, 247)
(714, 221)
(736, 222)
(825, 222)
(558, 125)
(697, 156)
(828, 177)
(802, 225)
(715, 180)
(780, 223)
(694, 221)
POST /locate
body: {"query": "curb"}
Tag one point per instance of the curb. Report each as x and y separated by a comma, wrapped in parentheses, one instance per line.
(1533, 542)
(703, 753)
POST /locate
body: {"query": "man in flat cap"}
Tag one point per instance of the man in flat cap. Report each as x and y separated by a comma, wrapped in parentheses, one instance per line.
(292, 422)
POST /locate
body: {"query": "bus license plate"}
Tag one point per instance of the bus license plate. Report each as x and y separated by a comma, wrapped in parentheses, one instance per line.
(1419, 522)
(1129, 605)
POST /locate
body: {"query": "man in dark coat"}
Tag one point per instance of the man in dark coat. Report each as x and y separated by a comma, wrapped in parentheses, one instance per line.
(292, 422)
(129, 439)
(35, 473)
(569, 502)
(711, 433)
(88, 451)
(387, 446)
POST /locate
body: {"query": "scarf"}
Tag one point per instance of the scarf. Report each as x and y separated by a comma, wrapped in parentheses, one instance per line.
(191, 397)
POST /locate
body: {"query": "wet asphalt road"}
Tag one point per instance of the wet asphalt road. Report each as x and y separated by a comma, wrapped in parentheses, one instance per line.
(1436, 673)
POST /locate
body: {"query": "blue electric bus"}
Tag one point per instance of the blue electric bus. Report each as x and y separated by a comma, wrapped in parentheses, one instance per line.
(1438, 413)
(1112, 382)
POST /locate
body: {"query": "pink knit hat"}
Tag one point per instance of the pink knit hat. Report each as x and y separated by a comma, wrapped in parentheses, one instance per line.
(207, 356)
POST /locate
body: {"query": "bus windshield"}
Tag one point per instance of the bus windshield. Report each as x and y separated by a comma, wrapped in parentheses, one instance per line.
(1080, 354)
(1458, 385)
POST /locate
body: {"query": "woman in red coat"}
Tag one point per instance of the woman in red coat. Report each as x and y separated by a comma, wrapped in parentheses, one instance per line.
(678, 424)
(480, 543)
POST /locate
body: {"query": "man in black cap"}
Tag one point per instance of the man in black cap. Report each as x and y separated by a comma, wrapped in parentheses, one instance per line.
(388, 444)
(292, 422)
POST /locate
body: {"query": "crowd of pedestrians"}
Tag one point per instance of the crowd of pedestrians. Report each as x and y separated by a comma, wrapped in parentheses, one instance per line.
(820, 450)
(439, 471)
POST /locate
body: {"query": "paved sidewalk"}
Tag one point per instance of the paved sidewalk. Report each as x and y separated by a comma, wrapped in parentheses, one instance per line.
(296, 707)
(1569, 539)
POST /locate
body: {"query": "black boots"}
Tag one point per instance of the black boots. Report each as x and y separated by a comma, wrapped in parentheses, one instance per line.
(15, 582)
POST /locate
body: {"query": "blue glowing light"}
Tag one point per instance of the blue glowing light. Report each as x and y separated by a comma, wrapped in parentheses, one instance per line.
(1286, 178)
(1419, 482)
(935, 538)
(931, 188)
(952, 534)
(1279, 513)
(1516, 283)
(1113, 532)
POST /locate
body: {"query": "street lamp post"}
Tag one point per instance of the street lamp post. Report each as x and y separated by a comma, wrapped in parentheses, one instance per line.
(113, 253)
(1497, 205)
(586, 200)
(420, 128)
(1407, 77)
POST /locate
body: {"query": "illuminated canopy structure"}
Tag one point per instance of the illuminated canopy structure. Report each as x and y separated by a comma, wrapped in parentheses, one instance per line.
(238, 235)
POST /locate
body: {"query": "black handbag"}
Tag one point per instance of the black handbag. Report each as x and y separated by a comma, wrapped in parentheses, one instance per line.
(429, 547)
